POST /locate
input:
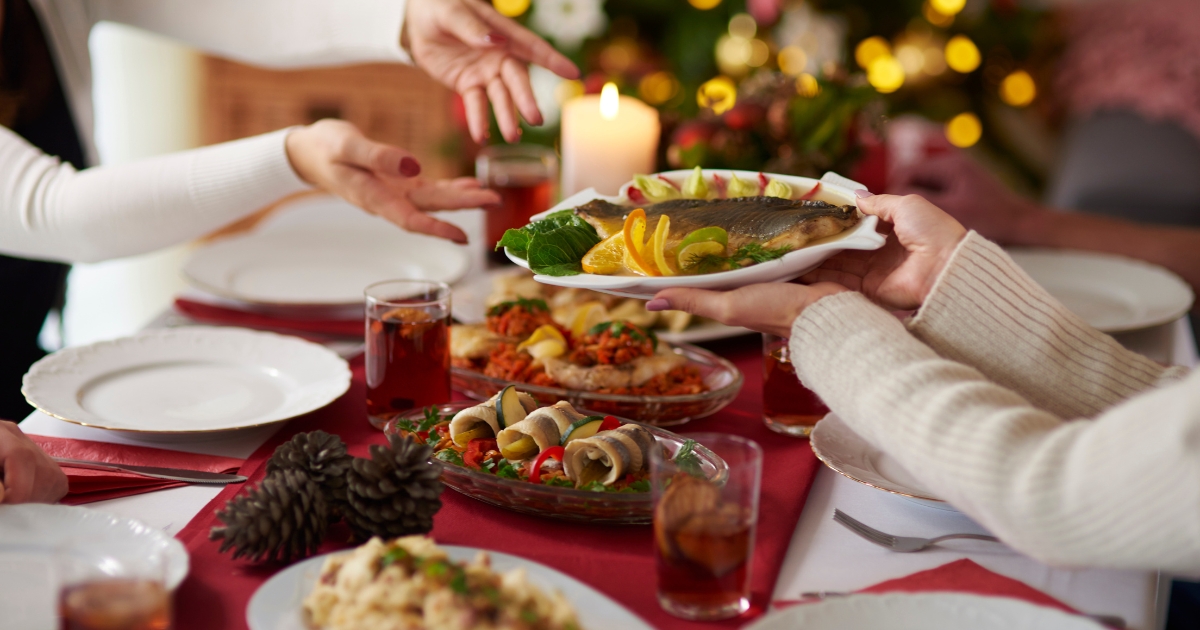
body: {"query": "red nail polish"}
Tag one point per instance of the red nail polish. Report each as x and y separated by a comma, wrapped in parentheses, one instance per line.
(495, 39)
(409, 167)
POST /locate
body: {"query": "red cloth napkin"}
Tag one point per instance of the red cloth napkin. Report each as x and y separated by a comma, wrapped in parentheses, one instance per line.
(616, 560)
(212, 314)
(86, 486)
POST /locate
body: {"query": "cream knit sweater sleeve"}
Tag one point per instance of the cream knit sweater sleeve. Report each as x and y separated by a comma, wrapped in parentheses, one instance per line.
(1116, 491)
(1045, 352)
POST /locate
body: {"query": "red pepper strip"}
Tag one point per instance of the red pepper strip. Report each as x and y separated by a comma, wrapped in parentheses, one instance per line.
(762, 182)
(635, 195)
(556, 452)
(811, 193)
(610, 423)
(476, 449)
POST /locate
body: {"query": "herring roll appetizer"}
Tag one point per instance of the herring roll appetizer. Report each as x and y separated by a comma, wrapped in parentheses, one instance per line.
(608, 456)
(541, 429)
(489, 418)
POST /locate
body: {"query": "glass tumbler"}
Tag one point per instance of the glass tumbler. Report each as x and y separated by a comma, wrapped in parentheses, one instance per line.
(525, 176)
(407, 351)
(108, 586)
(704, 530)
(788, 406)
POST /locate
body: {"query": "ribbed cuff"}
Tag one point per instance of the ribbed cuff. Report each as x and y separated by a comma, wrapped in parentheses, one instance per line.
(246, 173)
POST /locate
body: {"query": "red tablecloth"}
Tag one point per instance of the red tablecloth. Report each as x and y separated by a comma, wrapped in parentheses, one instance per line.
(617, 560)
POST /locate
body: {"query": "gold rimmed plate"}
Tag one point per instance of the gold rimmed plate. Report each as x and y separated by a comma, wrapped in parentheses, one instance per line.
(851, 456)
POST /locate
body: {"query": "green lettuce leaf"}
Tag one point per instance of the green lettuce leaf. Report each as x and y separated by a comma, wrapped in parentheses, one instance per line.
(559, 252)
(519, 241)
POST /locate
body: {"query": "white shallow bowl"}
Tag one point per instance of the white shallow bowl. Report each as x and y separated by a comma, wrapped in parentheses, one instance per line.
(187, 380)
(851, 456)
(834, 188)
(31, 535)
(1111, 293)
(922, 611)
(276, 605)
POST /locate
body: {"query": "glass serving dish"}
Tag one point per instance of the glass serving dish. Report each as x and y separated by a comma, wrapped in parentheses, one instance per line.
(723, 379)
(627, 508)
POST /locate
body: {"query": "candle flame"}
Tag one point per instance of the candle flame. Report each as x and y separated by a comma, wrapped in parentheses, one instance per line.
(610, 101)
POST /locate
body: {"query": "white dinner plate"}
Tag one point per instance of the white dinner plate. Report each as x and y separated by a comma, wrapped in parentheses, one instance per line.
(851, 456)
(320, 265)
(834, 188)
(187, 380)
(32, 534)
(470, 307)
(276, 605)
(922, 611)
(1111, 293)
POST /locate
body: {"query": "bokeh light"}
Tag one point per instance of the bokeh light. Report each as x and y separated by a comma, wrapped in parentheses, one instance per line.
(1018, 89)
(961, 54)
(934, 17)
(948, 7)
(870, 49)
(733, 54)
(964, 130)
(885, 74)
(792, 60)
(658, 87)
(807, 85)
(911, 58)
(718, 94)
(760, 52)
(743, 25)
(935, 60)
(511, 8)
(704, 5)
(568, 90)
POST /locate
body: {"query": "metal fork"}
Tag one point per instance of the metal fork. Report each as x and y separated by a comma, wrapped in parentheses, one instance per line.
(903, 544)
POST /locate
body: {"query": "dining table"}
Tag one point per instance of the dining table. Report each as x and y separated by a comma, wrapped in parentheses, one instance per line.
(821, 556)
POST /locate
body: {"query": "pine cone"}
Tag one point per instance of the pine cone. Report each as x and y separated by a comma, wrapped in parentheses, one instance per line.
(319, 454)
(285, 517)
(395, 492)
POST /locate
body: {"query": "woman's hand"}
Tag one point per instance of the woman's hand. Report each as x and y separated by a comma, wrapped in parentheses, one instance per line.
(899, 275)
(769, 308)
(334, 156)
(29, 475)
(482, 55)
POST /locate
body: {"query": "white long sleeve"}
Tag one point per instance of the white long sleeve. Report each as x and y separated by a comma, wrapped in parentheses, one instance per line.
(1118, 490)
(50, 211)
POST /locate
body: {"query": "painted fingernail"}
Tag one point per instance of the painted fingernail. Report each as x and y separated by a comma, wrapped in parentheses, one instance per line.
(863, 193)
(495, 39)
(658, 304)
(409, 167)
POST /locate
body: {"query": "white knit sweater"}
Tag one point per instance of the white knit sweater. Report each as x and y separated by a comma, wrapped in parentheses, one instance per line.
(1047, 432)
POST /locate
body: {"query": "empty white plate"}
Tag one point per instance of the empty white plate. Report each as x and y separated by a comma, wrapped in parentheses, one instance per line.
(31, 535)
(1111, 293)
(922, 611)
(276, 605)
(320, 265)
(848, 454)
(187, 380)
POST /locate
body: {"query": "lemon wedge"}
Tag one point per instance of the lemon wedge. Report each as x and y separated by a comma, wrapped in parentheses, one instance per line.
(634, 234)
(689, 256)
(588, 315)
(606, 257)
(659, 245)
(545, 341)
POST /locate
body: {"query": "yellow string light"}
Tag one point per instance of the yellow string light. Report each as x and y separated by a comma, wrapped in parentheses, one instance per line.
(948, 7)
(807, 85)
(964, 130)
(885, 74)
(1018, 89)
(760, 52)
(743, 25)
(870, 49)
(511, 8)
(792, 60)
(704, 5)
(911, 58)
(718, 94)
(658, 88)
(961, 54)
(934, 17)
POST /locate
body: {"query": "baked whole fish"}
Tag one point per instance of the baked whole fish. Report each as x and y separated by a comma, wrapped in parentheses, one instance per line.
(769, 221)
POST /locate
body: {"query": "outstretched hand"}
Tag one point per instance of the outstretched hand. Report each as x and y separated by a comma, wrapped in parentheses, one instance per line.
(482, 55)
(899, 275)
(334, 156)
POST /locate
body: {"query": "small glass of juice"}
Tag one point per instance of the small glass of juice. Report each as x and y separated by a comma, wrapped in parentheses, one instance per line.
(102, 586)
(788, 406)
(525, 176)
(407, 347)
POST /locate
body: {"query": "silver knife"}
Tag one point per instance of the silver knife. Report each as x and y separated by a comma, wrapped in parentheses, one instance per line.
(170, 474)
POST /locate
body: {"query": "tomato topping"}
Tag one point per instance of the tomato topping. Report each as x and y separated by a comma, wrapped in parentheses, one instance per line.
(610, 423)
(475, 451)
(535, 473)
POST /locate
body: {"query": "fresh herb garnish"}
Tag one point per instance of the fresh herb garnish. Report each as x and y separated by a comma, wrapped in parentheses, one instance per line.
(392, 557)
(744, 256)
(507, 470)
(532, 306)
(458, 583)
(687, 460)
(594, 486)
(615, 328)
(558, 482)
(433, 416)
(553, 246)
(450, 456)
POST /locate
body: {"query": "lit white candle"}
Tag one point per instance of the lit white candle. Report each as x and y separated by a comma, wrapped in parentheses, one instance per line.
(606, 140)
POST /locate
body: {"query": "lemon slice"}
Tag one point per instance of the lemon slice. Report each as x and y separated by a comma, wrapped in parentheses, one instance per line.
(690, 255)
(542, 333)
(588, 315)
(634, 234)
(659, 245)
(606, 257)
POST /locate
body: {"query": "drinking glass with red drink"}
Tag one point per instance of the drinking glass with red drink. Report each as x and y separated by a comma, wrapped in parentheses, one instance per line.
(407, 352)
(525, 176)
(788, 406)
(103, 586)
(704, 530)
